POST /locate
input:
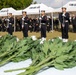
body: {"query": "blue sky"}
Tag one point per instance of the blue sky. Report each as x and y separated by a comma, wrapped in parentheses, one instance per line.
(54, 3)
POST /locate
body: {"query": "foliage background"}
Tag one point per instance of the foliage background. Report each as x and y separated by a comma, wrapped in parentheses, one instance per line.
(16, 4)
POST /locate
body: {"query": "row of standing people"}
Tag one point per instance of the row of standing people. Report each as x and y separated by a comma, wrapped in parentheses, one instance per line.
(26, 24)
(33, 24)
(25, 21)
(45, 23)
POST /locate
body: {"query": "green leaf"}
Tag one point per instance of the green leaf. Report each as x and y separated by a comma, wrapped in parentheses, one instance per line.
(58, 66)
(45, 47)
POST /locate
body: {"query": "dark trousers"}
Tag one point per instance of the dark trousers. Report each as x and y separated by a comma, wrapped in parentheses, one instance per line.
(65, 30)
(31, 29)
(43, 31)
(74, 28)
(10, 30)
(25, 31)
(37, 28)
(3, 27)
(48, 28)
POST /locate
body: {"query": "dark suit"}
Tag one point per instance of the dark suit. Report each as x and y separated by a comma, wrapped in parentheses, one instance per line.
(74, 23)
(48, 25)
(37, 25)
(30, 25)
(25, 26)
(43, 26)
(10, 23)
(3, 24)
(64, 20)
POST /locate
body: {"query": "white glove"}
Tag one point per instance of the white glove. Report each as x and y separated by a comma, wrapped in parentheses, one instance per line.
(63, 25)
(40, 18)
(30, 26)
(40, 26)
(7, 26)
(22, 26)
(23, 19)
(7, 20)
(63, 15)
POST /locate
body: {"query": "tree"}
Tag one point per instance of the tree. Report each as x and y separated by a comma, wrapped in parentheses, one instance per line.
(17, 4)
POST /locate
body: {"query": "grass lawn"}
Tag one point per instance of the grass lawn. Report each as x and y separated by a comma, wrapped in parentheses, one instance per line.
(72, 36)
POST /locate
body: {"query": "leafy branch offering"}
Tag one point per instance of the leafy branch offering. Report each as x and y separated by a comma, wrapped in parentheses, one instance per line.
(49, 54)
